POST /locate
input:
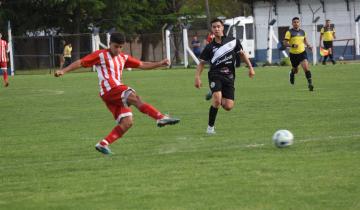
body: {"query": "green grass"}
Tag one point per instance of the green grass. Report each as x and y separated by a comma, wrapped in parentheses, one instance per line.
(49, 126)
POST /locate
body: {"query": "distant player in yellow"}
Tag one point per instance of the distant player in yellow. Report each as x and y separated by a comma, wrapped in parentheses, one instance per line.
(327, 35)
(67, 55)
(295, 38)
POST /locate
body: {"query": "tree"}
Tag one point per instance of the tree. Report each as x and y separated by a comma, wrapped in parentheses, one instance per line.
(51, 16)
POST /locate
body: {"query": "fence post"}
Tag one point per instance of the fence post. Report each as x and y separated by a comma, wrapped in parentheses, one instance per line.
(11, 50)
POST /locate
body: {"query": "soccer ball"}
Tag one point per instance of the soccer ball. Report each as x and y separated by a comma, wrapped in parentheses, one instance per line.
(283, 138)
(341, 58)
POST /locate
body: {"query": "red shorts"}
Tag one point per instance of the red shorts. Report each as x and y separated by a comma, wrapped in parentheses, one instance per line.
(3, 65)
(116, 101)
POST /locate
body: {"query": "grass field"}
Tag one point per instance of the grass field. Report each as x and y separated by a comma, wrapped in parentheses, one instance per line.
(49, 126)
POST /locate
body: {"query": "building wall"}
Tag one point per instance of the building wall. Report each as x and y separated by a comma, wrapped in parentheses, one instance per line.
(335, 10)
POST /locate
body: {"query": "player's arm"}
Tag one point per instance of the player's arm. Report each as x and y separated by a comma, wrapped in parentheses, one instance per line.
(199, 70)
(286, 41)
(307, 43)
(75, 65)
(246, 59)
(320, 43)
(7, 53)
(334, 34)
(153, 65)
(321, 36)
(204, 58)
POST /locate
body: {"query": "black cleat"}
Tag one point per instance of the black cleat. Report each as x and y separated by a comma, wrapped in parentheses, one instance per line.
(333, 62)
(311, 88)
(292, 78)
(323, 63)
(208, 96)
(167, 121)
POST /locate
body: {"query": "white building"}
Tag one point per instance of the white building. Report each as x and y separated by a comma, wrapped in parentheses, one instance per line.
(342, 13)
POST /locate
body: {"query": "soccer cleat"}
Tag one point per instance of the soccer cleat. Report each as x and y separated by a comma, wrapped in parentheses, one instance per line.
(333, 62)
(208, 96)
(292, 78)
(166, 120)
(103, 149)
(311, 87)
(210, 130)
(324, 63)
(6, 84)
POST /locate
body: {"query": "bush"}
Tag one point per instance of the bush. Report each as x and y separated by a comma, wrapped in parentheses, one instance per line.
(285, 62)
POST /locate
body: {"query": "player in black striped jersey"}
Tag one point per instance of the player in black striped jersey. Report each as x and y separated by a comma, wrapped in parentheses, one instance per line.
(221, 55)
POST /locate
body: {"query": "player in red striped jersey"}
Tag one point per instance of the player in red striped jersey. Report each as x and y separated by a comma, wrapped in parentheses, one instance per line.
(118, 97)
(4, 59)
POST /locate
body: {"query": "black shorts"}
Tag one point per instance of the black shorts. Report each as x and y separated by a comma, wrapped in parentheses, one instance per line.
(223, 83)
(67, 62)
(328, 44)
(296, 59)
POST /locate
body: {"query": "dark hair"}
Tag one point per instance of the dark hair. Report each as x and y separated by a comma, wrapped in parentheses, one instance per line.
(217, 20)
(295, 18)
(327, 20)
(117, 38)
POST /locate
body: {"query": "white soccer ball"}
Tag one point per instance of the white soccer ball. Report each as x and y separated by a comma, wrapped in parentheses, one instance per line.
(341, 58)
(283, 138)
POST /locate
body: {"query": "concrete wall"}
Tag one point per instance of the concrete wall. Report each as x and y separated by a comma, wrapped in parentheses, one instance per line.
(336, 10)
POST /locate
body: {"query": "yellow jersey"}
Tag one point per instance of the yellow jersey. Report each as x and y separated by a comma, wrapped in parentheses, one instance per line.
(67, 51)
(296, 37)
(327, 33)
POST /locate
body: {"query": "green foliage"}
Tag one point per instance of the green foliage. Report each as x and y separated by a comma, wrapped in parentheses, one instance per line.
(285, 62)
(227, 8)
(49, 127)
(69, 16)
(132, 16)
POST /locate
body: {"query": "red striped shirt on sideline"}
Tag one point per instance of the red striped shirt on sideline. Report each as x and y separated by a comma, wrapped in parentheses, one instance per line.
(3, 51)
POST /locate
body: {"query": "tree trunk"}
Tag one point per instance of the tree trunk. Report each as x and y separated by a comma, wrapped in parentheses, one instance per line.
(145, 45)
(208, 14)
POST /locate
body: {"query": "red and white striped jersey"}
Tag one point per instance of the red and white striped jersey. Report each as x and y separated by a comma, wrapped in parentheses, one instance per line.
(109, 68)
(3, 51)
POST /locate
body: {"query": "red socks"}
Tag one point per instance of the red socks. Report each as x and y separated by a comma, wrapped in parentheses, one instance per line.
(116, 133)
(5, 75)
(151, 111)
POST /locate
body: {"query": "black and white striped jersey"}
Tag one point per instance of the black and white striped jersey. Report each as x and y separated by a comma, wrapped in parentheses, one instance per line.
(222, 56)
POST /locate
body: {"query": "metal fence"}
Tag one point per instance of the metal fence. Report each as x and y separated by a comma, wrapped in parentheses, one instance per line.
(43, 53)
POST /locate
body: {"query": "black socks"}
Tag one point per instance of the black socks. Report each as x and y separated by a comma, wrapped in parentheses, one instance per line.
(212, 115)
(308, 76)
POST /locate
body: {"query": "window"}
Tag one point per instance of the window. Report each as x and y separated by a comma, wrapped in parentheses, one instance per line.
(239, 32)
(282, 31)
(226, 28)
(249, 27)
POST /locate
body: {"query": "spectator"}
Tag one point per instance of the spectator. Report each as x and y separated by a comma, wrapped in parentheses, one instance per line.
(195, 44)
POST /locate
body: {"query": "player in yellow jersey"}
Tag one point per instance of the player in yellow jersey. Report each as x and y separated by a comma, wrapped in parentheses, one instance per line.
(327, 35)
(67, 55)
(295, 38)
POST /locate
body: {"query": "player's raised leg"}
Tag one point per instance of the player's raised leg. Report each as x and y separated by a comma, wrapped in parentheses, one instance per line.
(305, 66)
(227, 104)
(292, 73)
(161, 119)
(208, 96)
